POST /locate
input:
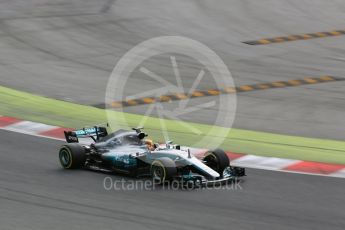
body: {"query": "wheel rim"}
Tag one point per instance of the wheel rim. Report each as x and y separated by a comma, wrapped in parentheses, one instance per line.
(65, 158)
(158, 173)
(212, 162)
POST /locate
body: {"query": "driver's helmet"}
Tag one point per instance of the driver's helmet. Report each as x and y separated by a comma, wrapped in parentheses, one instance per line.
(150, 145)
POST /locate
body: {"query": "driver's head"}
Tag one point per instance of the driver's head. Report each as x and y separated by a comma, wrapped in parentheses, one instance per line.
(149, 144)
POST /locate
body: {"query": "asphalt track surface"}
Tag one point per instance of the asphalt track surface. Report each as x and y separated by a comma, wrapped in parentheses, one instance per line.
(36, 193)
(67, 49)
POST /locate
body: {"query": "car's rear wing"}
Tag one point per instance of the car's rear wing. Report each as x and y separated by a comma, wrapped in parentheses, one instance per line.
(92, 132)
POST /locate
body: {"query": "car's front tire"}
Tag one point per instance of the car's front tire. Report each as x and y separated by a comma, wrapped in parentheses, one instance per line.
(217, 160)
(72, 156)
(163, 170)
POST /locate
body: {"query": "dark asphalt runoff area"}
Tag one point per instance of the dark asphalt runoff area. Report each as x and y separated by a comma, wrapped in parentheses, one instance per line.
(36, 193)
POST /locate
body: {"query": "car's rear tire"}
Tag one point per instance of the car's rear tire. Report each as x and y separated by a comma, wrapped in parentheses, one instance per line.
(163, 170)
(72, 156)
(217, 160)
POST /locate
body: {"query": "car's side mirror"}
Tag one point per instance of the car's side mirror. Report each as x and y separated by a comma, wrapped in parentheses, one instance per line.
(142, 135)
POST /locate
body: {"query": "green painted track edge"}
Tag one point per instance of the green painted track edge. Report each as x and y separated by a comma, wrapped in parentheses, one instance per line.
(37, 108)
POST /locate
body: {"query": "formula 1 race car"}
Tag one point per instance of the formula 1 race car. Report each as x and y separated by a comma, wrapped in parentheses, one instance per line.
(131, 153)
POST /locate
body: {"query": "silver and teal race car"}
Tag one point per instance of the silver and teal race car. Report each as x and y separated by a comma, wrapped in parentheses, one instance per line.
(131, 153)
